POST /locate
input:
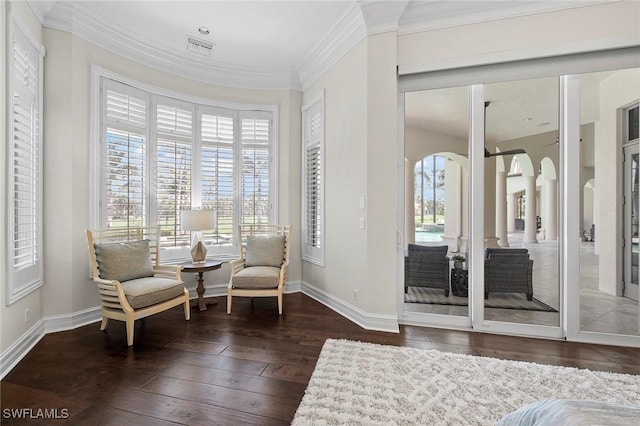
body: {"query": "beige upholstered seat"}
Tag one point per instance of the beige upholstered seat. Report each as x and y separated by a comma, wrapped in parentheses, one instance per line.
(131, 282)
(261, 270)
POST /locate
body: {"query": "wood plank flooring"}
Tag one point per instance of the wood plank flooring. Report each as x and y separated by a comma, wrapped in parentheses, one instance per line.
(251, 367)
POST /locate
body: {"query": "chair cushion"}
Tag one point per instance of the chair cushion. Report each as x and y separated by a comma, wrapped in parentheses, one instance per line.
(257, 277)
(124, 261)
(265, 251)
(148, 291)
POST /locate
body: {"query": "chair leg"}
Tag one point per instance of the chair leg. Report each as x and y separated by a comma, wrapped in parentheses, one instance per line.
(187, 310)
(103, 325)
(229, 299)
(130, 327)
(280, 303)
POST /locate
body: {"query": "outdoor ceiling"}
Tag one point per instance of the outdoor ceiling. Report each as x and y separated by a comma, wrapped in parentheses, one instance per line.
(517, 109)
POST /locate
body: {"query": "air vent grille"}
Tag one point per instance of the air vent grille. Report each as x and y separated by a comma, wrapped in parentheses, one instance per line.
(199, 47)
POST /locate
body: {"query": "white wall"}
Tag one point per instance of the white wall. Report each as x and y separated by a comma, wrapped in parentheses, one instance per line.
(419, 142)
(12, 324)
(345, 178)
(540, 31)
(67, 174)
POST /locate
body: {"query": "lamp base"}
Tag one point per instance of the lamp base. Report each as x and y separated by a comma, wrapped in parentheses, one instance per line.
(199, 252)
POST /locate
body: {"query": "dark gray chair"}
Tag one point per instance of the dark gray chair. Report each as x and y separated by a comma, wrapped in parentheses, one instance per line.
(427, 266)
(508, 271)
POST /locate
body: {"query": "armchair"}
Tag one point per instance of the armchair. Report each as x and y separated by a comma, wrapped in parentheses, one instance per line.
(508, 271)
(427, 266)
(131, 282)
(261, 270)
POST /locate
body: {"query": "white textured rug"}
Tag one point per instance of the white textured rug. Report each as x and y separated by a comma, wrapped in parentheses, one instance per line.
(368, 384)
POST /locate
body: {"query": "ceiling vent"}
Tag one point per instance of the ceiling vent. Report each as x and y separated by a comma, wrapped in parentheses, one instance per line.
(199, 47)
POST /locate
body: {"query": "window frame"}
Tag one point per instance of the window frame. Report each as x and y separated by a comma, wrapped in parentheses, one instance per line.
(22, 281)
(199, 106)
(310, 253)
(626, 123)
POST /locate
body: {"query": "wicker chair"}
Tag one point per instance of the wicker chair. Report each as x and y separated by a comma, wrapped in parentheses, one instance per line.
(131, 282)
(427, 266)
(508, 271)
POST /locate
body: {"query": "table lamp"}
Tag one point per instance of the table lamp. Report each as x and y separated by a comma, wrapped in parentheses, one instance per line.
(197, 221)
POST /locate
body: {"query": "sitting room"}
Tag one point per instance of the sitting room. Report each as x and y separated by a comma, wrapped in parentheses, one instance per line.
(319, 212)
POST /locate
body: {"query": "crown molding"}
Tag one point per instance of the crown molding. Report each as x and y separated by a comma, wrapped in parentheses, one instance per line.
(348, 31)
(40, 8)
(382, 16)
(74, 19)
(422, 18)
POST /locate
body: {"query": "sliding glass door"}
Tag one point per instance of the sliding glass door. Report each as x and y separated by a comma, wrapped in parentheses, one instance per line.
(436, 203)
(521, 163)
(530, 188)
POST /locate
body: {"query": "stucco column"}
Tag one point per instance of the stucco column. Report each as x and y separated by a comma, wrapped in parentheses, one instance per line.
(551, 208)
(501, 209)
(490, 239)
(511, 212)
(530, 210)
(452, 205)
(409, 205)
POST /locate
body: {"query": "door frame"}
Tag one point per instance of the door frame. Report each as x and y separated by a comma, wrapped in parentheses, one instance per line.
(629, 289)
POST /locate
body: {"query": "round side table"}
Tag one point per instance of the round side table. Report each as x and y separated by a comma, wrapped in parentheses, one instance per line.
(200, 269)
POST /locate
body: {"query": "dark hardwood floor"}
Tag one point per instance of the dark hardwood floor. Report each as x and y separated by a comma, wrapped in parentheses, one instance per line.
(251, 367)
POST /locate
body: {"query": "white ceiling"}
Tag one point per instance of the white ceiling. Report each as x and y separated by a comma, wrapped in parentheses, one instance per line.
(262, 43)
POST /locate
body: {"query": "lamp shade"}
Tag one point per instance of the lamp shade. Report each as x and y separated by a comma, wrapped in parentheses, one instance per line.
(197, 220)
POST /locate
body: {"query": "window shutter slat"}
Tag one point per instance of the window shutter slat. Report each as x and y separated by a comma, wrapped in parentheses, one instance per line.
(125, 105)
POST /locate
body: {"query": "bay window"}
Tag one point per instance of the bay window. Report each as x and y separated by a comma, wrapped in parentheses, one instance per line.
(161, 153)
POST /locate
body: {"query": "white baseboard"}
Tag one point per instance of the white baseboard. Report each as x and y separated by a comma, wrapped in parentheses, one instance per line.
(14, 353)
(71, 321)
(388, 323)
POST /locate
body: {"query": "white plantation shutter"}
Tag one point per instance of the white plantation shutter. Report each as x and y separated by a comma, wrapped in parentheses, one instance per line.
(160, 154)
(24, 164)
(124, 155)
(125, 186)
(125, 105)
(255, 144)
(313, 181)
(217, 172)
(174, 133)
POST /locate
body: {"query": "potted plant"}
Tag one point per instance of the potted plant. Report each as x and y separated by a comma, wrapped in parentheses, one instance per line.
(458, 261)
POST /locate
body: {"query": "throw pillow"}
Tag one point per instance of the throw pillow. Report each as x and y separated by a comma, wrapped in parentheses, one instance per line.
(265, 251)
(124, 261)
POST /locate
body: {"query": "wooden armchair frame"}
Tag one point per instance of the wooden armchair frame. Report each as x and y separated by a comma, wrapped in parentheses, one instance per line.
(239, 264)
(112, 296)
